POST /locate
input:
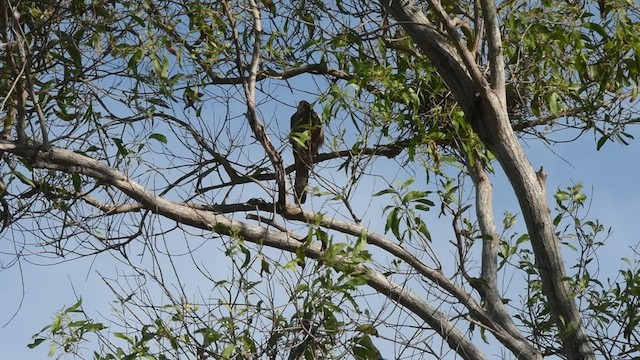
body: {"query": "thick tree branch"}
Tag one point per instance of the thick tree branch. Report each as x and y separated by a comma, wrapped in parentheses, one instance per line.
(70, 162)
(488, 287)
(436, 320)
(494, 128)
(436, 48)
(497, 75)
(467, 58)
(513, 340)
(485, 111)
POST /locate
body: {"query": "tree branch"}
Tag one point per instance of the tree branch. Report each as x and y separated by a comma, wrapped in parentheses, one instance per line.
(457, 340)
(494, 40)
(436, 48)
(512, 340)
(485, 111)
(465, 55)
(488, 287)
(249, 90)
(70, 162)
(390, 150)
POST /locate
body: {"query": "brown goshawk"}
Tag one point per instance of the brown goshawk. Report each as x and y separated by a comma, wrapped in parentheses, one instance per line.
(306, 138)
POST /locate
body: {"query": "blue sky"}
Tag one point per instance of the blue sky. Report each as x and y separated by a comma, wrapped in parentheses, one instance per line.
(32, 293)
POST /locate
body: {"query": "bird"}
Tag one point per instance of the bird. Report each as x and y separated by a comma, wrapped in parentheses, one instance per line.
(306, 137)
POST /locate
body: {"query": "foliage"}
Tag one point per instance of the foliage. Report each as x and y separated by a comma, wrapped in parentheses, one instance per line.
(157, 131)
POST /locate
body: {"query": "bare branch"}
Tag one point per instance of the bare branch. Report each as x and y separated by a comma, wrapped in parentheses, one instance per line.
(70, 162)
(390, 151)
(457, 340)
(249, 90)
(109, 209)
(36, 104)
(494, 41)
(315, 69)
(466, 56)
(488, 287)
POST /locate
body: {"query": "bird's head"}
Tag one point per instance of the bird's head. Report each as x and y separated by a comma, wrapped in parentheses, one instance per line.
(304, 107)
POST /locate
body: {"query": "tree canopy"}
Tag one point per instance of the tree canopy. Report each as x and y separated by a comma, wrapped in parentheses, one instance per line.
(160, 132)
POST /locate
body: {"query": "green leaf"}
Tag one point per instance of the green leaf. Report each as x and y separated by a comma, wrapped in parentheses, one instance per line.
(368, 329)
(553, 103)
(247, 256)
(412, 195)
(36, 342)
(158, 102)
(365, 349)
(121, 336)
(157, 68)
(426, 202)
(122, 150)
(557, 219)
(165, 67)
(597, 28)
(210, 336)
(393, 223)
(301, 254)
(356, 281)
(522, 238)
(52, 349)
(385, 191)
(407, 182)
(74, 307)
(55, 325)
(159, 137)
(601, 141)
(77, 182)
(221, 228)
(422, 228)
(133, 62)
(361, 243)
(23, 178)
(227, 352)
(74, 53)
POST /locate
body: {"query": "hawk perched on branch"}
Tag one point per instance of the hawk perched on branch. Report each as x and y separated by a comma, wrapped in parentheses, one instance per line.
(306, 138)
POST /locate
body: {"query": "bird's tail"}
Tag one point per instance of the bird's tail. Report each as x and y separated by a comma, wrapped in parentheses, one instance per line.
(302, 180)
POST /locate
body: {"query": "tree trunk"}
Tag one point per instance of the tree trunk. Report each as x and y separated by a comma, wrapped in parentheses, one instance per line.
(484, 105)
